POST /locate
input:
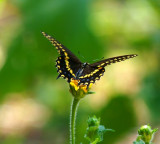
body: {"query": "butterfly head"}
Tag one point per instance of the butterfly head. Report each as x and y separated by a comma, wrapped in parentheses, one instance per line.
(84, 64)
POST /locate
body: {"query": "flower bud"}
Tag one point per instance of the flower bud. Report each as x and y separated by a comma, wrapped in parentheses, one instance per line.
(93, 121)
(146, 133)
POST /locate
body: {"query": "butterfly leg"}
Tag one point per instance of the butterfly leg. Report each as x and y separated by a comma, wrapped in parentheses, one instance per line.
(88, 86)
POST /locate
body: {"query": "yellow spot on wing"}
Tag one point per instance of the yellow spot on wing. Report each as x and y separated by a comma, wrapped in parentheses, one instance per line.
(67, 63)
(97, 78)
(68, 66)
(94, 71)
(87, 75)
(48, 36)
(100, 68)
(71, 71)
(102, 64)
(66, 55)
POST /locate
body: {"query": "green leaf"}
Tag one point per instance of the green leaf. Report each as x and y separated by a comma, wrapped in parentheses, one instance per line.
(154, 130)
(95, 131)
(90, 92)
(138, 142)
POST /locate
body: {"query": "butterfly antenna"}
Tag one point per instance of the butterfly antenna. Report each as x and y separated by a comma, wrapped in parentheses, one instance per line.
(81, 55)
(98, 59)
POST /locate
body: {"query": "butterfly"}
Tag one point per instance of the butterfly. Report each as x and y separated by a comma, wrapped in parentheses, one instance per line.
(70, 67)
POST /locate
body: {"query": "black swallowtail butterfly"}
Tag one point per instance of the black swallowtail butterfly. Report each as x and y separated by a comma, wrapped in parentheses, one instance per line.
(70, 67)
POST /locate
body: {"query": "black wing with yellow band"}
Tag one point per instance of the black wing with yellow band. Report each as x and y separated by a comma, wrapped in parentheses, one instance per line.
(91, 74)
(69, 66)
(94, 71)
(67, 63)
(109, 61)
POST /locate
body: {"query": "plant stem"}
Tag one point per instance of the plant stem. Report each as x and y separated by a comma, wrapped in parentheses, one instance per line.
(73, 112)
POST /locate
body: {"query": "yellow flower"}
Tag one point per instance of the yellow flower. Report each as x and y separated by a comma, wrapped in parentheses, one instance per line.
(78, 91)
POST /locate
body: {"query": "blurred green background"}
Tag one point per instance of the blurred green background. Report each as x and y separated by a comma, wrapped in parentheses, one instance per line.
(34, 106)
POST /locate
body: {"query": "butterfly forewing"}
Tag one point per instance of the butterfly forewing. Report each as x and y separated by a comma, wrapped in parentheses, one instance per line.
(94, 71)
(62, 50)
(109, 61)
(67, 64)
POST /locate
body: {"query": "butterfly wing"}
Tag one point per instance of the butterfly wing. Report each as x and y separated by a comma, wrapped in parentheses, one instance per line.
(64, 70)
(90, 74)
(67, 63)
(93, 72)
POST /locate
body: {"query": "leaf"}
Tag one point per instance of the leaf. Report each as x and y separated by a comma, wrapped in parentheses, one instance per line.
(95, 131)
(138, 142)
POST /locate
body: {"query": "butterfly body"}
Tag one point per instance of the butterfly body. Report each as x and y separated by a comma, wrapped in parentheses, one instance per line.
(80, 70)
(70, 67)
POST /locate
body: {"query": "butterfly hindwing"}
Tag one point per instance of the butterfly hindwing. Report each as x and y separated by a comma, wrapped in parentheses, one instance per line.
(91, 74)
(62, 70)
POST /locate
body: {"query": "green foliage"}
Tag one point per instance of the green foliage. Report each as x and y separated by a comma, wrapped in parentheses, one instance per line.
(150, 93)
(118, 114)
(95, 131)
(138, 142)
(91, 92)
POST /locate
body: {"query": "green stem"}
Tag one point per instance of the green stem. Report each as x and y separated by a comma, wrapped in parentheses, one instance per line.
(73, 112)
